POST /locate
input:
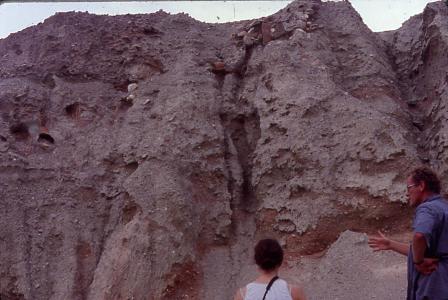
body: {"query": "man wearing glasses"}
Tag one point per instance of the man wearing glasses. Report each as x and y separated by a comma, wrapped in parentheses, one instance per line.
(428, 252)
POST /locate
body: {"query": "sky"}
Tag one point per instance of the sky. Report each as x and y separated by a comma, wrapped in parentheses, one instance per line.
(379, 15)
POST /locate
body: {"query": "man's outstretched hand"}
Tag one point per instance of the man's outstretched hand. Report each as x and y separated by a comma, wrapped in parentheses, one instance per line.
(379, 242)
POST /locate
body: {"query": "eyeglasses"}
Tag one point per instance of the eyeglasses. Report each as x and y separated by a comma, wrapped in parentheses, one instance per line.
(411, 185)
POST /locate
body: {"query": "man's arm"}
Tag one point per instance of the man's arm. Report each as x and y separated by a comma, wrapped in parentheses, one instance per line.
(381, 242)
(424, 265)
(426, 219)
(418, 247)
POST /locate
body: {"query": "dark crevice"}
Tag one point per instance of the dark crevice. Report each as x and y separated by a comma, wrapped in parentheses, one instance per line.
(20, 131)
(219, 77)
(238, 127)
(131, 167)
(241, 124)
(241, 68)
(230, 175)
(73, 110)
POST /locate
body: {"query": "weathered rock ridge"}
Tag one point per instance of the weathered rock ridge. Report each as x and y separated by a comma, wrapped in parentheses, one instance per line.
(141, 156)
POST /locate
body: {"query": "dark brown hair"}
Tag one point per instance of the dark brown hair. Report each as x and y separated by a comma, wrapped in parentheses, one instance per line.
(268, 254)
(428, 176)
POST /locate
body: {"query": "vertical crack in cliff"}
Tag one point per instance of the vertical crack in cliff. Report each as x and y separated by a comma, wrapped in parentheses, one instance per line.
(230, 175)
(245, 148)
(241, 128)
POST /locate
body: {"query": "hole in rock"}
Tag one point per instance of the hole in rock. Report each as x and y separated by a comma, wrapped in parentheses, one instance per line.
(20, 131)
(131, 167)
(45, 138)
(73, 110)
(49, 81)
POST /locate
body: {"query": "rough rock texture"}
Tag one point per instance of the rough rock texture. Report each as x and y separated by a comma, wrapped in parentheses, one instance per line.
(141, 156)
(350, 271)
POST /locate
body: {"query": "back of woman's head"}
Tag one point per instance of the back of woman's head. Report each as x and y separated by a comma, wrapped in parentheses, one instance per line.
(268, 254)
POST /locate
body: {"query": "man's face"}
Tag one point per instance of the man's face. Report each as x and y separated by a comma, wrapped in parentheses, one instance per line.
(414, 192)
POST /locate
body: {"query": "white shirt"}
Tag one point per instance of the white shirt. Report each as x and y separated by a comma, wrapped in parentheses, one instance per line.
(278, 291)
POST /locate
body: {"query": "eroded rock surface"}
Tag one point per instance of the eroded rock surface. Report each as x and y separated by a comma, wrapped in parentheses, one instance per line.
(141, 156)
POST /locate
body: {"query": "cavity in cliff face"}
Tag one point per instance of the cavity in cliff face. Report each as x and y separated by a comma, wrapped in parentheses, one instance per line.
(141, 156)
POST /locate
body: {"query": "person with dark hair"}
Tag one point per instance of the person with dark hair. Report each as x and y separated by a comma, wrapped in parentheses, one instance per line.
(268, 286)
(428, 252)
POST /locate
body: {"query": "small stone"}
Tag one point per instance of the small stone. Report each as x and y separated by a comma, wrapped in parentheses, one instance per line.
(242, 34)
(44, 145)
(132, 87)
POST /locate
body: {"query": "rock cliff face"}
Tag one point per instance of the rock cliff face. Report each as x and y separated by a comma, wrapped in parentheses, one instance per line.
(141, 156)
